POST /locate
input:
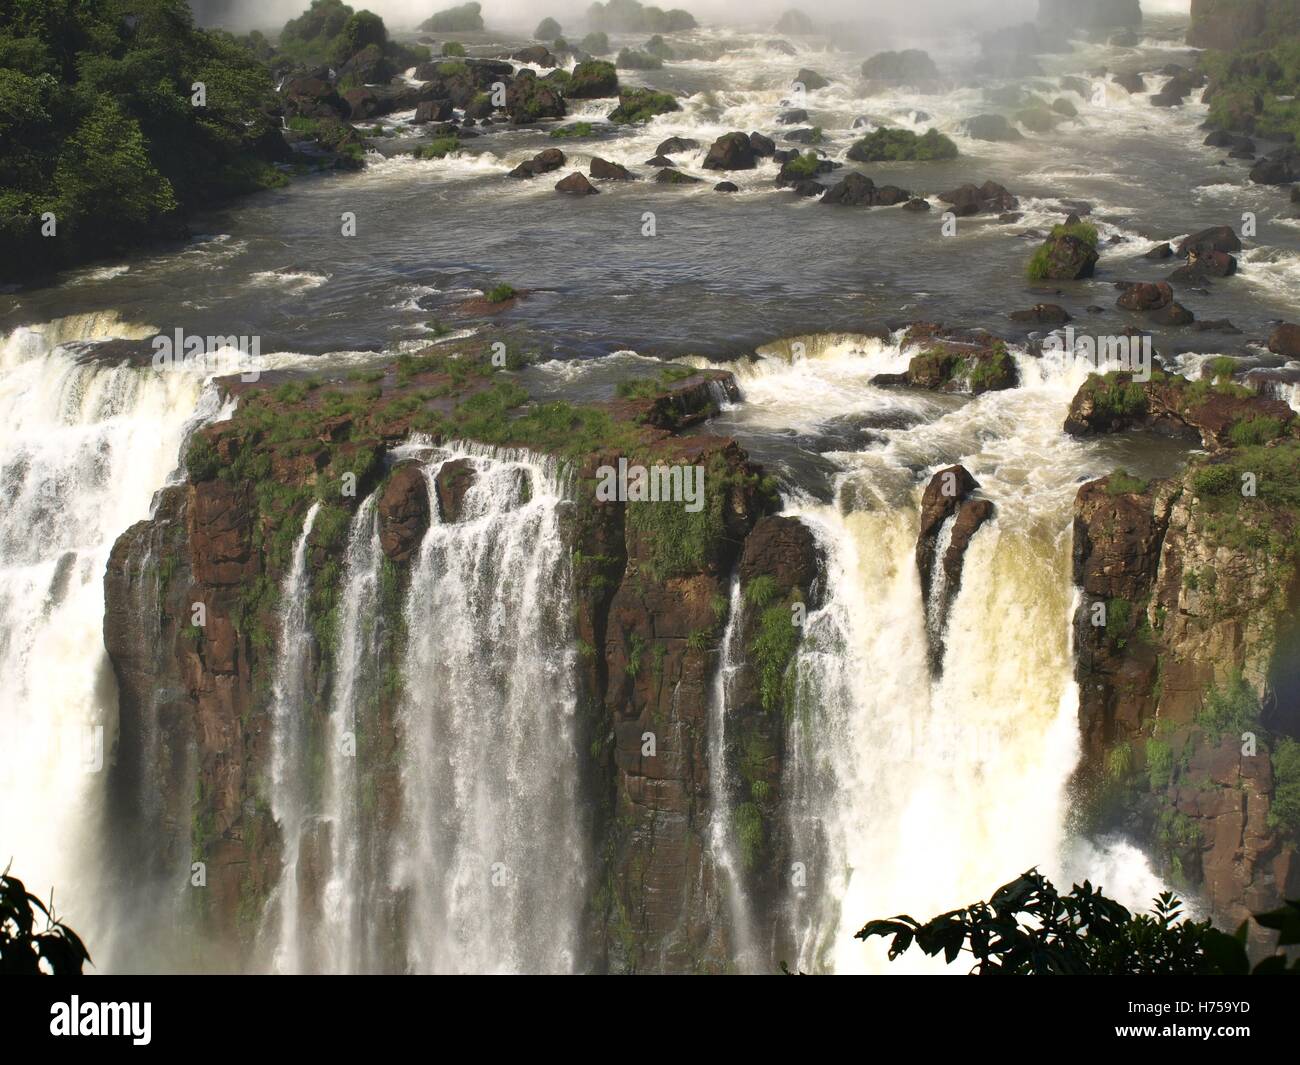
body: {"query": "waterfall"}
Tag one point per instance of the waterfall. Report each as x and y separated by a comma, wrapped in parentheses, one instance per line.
(722, 830)
(289, 760)
(935, 613)
(84, 445)
(355, 667)
(490, 858)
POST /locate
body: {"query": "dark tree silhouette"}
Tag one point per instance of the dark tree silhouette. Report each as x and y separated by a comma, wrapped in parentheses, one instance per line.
(1029, 928)
(24, 945)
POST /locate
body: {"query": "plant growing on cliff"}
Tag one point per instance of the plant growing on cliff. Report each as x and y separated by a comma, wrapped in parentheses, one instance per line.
(1231, 709)
(1284, 813)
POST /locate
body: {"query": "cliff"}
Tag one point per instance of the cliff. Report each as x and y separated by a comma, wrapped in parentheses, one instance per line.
(1185, 641)
(651, 606)
(1230, 24)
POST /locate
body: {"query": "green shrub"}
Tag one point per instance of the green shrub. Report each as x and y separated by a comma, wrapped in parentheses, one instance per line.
(1232, 709)
(1255, 430)
(1214, 480)
(1120, 483)
(1284, 814)
(501, 293)
(454, 49)
(900, 145)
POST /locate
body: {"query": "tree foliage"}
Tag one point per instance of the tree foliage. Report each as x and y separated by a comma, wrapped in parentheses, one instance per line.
(1029, 928)
(32, 940)
(99, 126)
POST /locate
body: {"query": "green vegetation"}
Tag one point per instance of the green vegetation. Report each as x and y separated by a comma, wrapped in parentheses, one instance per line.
(596, 43)
(578, 129)
(1230, 710)
(652, 387)
(1121, 483)
(1039, 268)
(630, 16)
(1160, 763)
(100, 131)
(1116, 396)
(547, 30)
(500, 293)
(641, 105)
(1284, 815)
(900, 145)
(801, 167)
(1255, 88)
(1255, 430)
(454, 50)
(1027, 928)
(438, 148)
(771, 650)
(761, 591)
(631, 59)
(466, 18)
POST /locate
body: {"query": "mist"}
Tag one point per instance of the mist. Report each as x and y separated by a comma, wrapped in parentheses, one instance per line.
(520, 17)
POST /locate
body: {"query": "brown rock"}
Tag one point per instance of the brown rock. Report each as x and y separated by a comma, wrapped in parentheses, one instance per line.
(403, 512)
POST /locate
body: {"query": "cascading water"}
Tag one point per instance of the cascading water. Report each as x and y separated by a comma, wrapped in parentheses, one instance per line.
(349, 947)
(723, 851)
(84, 445)
(289, 762)
(490, 856)
(906, 792)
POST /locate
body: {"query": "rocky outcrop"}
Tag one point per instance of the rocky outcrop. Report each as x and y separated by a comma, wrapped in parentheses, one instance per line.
(856, 190)
(1206, 411)
(731, 151)
(576, 184)
(592, 80)
(970, 199)
(1285, 341)
(1178, 638)
(954, 361)
(403, 511)
(1229, 24)
(544, 162)
(650, 590)
(909, 67)
(991, 127)
(947, 498)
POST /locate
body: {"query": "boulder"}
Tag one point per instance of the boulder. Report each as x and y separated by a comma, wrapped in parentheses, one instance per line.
(529, 99)
(537, 55)
(1285, 341)
(602, 168)
(1043, 314)
(909, 67)
(1160, 251)
(971, 199)
(542, 163)
(576, 184)
(1068, 258)
(991, 128)
(432, 111)
(794, 117)
(764, 147)
(592, 80)
(676, 144)
(731, 151)
(1280, 168)
(675, 177)
(403, 509)
(726, 186)
(810, 79)
(1131, 81)
(1145, 296)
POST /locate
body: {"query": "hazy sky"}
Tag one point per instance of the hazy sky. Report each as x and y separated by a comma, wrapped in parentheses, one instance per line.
(522, 15)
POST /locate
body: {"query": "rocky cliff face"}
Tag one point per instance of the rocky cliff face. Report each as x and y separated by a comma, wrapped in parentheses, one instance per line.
(1182, 648)
(1230, 24)
(652, 604)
